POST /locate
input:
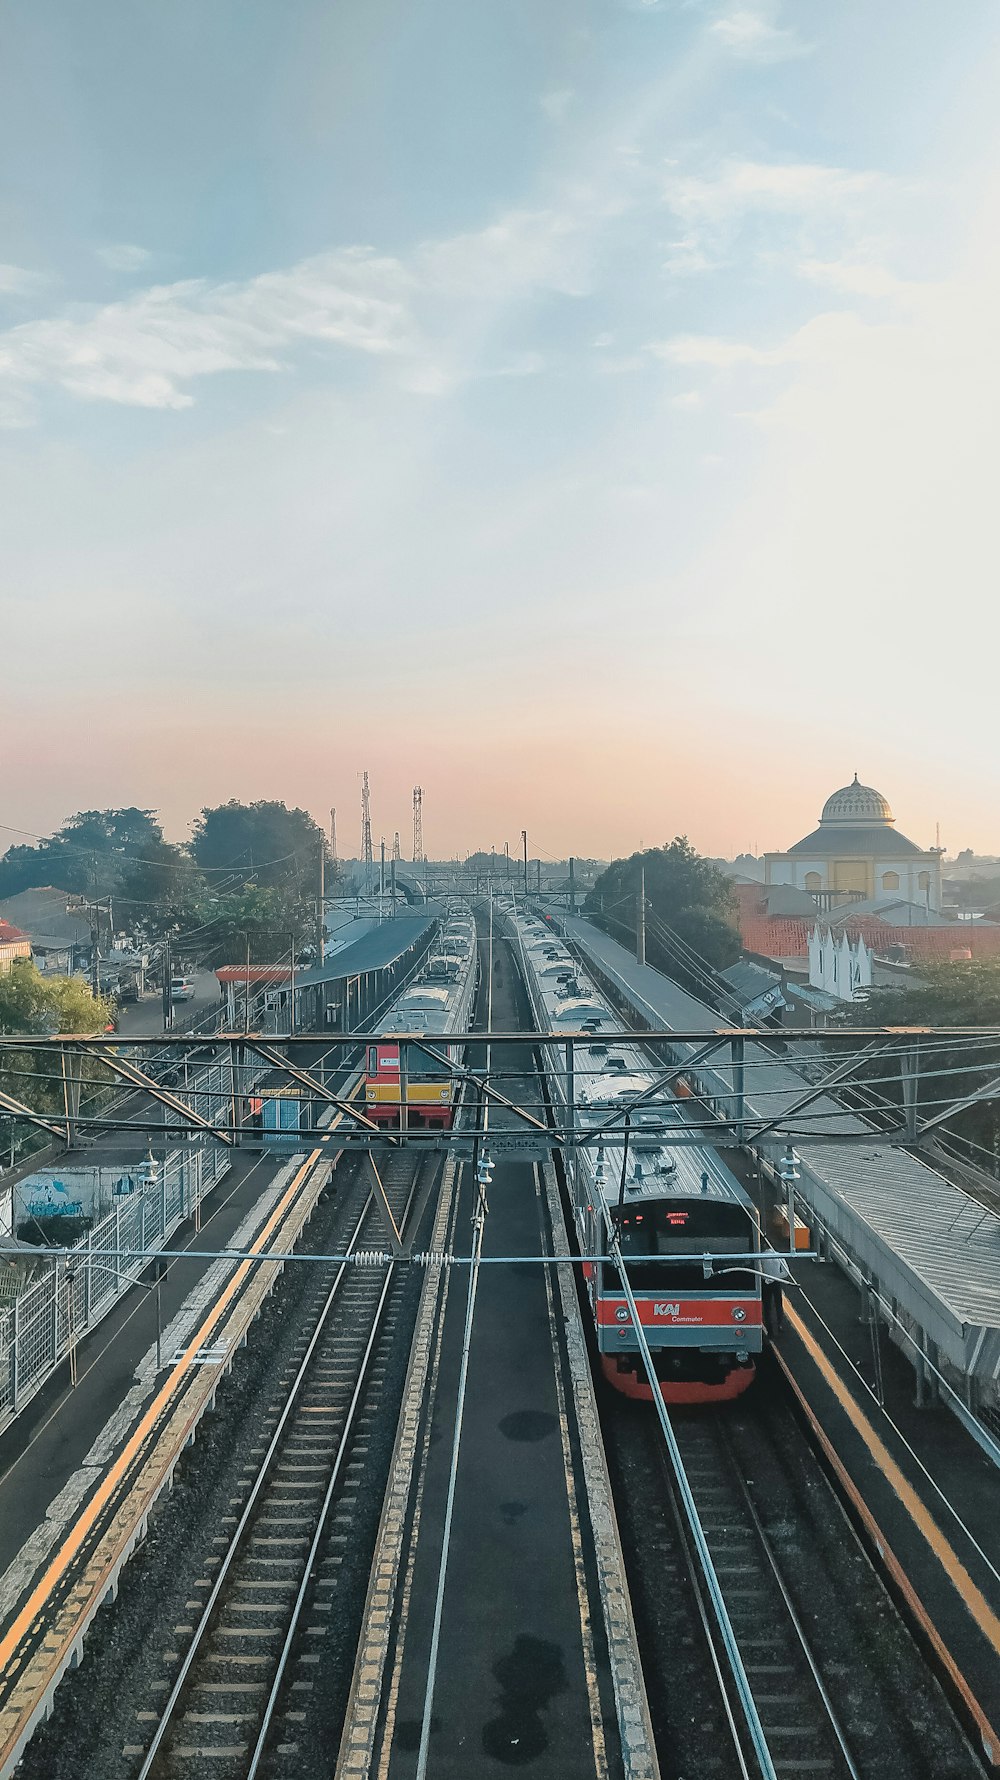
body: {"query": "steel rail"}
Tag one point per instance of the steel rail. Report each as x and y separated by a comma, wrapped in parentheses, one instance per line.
(235, 1544)
(800, 1633)
(321, 1524)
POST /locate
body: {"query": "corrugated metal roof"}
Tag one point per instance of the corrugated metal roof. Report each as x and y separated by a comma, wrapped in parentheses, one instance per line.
(380, 946)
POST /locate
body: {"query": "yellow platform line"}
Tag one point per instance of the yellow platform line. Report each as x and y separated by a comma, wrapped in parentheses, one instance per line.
(971, 1596)
(105, 1490)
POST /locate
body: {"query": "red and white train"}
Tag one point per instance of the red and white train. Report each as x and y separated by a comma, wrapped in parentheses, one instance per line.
(679, 1212)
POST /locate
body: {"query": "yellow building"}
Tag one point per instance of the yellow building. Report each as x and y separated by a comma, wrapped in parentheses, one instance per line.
(857, 854)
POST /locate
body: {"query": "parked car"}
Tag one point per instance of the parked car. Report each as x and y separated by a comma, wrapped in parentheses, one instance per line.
(181, 989)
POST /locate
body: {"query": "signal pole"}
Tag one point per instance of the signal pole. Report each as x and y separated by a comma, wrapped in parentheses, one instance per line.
(524, 838)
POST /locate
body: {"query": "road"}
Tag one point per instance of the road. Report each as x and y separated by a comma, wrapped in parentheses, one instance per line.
(136, 1019)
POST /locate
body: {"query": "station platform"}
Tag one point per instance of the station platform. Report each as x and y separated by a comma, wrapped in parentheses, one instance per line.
(529, 1669)
(922, 1493)
(48, 1456)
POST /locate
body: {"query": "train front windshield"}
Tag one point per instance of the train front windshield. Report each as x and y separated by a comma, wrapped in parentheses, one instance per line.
(694, 1227)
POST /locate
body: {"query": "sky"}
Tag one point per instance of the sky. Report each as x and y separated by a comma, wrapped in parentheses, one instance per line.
(586, 409)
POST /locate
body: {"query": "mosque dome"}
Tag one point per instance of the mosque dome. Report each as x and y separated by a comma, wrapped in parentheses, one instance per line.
(856, 803)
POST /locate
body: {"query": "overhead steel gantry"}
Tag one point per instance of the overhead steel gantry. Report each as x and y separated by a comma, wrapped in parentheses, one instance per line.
(838, 1085)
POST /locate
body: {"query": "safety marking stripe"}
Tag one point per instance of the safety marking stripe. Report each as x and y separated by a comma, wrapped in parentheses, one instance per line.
(957, 1574)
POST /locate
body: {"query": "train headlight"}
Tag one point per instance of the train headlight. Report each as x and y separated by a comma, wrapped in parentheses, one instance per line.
(739, 1314)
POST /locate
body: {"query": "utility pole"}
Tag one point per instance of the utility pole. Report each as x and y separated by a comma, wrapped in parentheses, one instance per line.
(418, 824)
(366, 834)
(381, 869)
(168, 1006)
(524, 838)
(393, 877)
(321, 901)
(640, 937)
(572, 886)
(333, 837)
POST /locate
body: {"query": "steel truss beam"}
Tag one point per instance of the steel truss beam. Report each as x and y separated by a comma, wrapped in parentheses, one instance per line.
(137, 1078)
(268, 1054)
(739, 1123)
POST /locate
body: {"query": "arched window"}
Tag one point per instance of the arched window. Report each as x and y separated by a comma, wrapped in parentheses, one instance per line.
(890, 880)
(924, 880)
(813, 881)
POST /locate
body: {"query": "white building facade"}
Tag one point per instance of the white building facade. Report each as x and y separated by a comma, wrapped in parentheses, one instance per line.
(839, 966)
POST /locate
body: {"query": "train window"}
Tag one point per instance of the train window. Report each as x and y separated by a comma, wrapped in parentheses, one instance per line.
(372, 1060)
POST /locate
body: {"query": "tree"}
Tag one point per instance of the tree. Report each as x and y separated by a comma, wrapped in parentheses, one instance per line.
(262, 843)
(31, 1002)
(265, 915)
(94, 853)
(689, 910)
(162, 892)
(961, 994)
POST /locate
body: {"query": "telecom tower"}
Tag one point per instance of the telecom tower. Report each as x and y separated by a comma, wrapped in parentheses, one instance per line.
(395, 846)
(418, 825)
(367, 857)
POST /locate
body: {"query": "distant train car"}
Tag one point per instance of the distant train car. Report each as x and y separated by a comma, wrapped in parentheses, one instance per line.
(677, 1210)
(436, 1004)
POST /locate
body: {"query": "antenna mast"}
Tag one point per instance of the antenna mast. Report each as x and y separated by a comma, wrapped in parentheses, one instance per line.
(395, 846)
(418, 825)
(333, 836)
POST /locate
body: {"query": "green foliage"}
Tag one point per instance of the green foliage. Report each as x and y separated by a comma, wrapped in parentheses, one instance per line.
(950, 995)
(264, 843)
(268, 916)
(91, 855)
(953, 995)
(31, 1002)
(162, 893)
(687, 898)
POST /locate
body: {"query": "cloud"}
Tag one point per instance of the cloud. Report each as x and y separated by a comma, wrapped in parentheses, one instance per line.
(146, 350)
(736, 187)
(433, 314)
(857, 280)
(556, 103)
(716, 353)
(750, 33)
(687, 398)
(799, 212)
(16, 281)
(123, 256)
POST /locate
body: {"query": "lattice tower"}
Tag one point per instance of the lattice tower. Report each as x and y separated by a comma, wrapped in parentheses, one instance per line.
(418, 825)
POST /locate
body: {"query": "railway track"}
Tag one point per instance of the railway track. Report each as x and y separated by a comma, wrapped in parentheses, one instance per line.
(801, 1724)
(839, 1684)
(231, 1707)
